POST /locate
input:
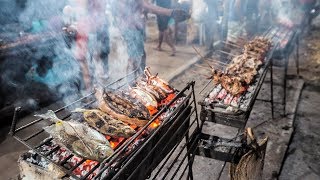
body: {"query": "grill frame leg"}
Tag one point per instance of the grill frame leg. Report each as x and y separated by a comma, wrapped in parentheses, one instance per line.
(284, 101)
(271, 88)
(297, 55)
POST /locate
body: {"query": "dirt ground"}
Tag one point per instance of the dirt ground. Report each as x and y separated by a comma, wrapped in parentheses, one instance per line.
(303, 156)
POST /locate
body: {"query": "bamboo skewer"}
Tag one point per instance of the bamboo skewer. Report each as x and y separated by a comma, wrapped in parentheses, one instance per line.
(233, 55)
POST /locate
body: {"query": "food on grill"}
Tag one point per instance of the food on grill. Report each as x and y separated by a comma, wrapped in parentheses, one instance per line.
(106, 124)
(158, 93)
(240, 73)
(156, 81)
(77, 137)
(144, 97)
(121, 109)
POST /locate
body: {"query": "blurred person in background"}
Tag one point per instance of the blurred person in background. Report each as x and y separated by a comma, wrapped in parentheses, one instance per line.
(130, 19)
(166, 27)
(88, 21)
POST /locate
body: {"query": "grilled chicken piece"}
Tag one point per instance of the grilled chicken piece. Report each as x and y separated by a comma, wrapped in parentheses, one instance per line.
(105, 123)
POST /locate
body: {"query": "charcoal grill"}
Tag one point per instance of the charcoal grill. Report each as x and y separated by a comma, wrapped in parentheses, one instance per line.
(288, 41)
(134, 158)
(235, 114)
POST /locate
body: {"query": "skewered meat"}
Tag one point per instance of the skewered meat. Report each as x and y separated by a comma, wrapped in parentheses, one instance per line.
(240, 73)
(106, 124)
(121, 114)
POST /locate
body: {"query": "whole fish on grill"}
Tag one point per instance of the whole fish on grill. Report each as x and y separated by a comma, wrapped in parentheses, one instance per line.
(77, 137)
(144, 97)
(125, 113)
(105, 123)
(124, 104)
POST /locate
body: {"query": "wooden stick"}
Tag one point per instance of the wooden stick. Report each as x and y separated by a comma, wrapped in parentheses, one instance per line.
(204, 75)
(204, 67)
(227, 53)
(232, 44)
(198, 52)
(217, 62)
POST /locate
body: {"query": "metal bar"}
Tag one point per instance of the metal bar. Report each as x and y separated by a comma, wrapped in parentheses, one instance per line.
(185, 156)
(285, 85)
(271, 88)
(66, 159)
(190, 172)
(206, 86)
(195, 105)
(123, 147)
(177, 157)
(161, 139)
(44, 142)
(166, 160)
(90, 172)
(77, 165)
(52, 150)
(190, 162)
(14, 121)
(297, 54)
(33, 135)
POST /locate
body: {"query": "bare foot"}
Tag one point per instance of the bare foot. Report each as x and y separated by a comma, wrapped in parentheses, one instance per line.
(173, 53)
(158, 48)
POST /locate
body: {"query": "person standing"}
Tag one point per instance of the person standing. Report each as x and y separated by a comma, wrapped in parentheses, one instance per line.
(166, 27)
(130, 19)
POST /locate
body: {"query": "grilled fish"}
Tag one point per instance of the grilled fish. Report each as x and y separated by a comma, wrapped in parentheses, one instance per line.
(144, 97)
(123, 104)
(106, 124)
(104, 106)
(79, 138)
(158, 93)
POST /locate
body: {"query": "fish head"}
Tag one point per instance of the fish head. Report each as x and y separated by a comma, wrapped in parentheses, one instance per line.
(103, 151)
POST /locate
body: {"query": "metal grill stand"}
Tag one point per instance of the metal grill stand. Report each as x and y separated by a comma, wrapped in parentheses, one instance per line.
(283, 52)
(233, 151)
(154, 152)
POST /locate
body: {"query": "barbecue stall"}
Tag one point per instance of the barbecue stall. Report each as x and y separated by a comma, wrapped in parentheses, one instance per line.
(138, 126)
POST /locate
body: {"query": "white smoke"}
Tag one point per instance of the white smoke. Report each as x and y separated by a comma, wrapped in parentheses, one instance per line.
(199, 11)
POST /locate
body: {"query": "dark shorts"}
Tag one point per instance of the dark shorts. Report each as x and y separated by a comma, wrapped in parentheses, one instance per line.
(162, 22)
